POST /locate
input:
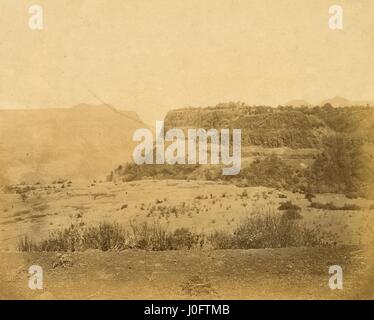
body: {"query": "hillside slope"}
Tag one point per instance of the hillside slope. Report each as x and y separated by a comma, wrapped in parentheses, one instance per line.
(82, 142)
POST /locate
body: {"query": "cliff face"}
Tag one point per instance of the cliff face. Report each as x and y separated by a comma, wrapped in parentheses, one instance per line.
(261, 126)
(278, 127)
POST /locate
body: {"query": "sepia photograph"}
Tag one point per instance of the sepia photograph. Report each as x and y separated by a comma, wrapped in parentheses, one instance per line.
(186, 150)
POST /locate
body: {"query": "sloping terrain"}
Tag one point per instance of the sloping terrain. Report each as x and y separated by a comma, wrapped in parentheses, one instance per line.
(82, 142)
(200, 206)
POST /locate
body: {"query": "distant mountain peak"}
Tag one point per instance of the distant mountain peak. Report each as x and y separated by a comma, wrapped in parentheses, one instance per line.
(339, 101)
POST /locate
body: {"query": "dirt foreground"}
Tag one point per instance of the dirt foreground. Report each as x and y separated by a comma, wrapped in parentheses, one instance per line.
(292, 273)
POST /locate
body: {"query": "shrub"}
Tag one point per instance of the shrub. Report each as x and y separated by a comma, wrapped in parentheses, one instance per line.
(343, 166)
(106, 236)
(331, 206)
(274, 231)
(68, 239)
(149, 237)
(182, 239)
(269, 231)
(221, 240)
(288, 205)
(291, 214)
(262, 232)
(132, 171)
(25, 244)
(309, 196)
(155, 237)
(352, 195)
(350, 207)
(269, 172)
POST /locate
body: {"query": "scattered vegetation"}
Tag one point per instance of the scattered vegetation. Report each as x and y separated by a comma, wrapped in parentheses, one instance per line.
(132, 171)
(269, 231)
(292, 214)
(343, 164)
(291, 211)
(288, 205)
(111, 236)
(258, 231)
(105, 236)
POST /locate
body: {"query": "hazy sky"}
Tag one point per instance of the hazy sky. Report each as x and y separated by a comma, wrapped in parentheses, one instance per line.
(154, 55)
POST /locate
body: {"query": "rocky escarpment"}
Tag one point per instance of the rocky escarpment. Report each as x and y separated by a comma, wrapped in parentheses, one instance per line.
(303, 149)
(269, 127)
(261, 126)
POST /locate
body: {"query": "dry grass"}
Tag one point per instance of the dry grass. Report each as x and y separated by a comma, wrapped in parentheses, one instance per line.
(269, 231)
(258, 231)
(112, 236)
(105, 236)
